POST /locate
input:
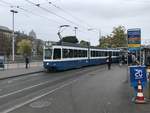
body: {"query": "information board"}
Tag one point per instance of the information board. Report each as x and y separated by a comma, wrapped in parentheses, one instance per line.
(134, 39)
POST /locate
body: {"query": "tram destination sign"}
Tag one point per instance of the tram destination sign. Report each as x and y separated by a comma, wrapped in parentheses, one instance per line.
(134, 39)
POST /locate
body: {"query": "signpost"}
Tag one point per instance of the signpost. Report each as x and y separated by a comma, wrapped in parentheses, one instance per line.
(138, 74)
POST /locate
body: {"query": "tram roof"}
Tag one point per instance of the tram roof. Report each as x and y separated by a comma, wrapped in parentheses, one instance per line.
(77, 45)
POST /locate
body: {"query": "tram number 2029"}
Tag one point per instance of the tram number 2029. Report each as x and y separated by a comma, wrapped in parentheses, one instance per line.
(138, 74)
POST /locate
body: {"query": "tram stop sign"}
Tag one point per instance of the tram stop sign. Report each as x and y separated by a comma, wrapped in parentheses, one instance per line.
(138, 73)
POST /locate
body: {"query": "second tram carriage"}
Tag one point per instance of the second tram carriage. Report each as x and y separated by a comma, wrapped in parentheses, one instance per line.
(68, 56)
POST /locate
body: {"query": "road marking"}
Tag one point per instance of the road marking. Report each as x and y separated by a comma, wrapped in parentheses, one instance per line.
(27, 88)
(15, 79)
(38, 97)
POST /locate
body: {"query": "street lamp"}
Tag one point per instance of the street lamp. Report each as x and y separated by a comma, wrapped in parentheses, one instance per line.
(75, 30)
(13, 36)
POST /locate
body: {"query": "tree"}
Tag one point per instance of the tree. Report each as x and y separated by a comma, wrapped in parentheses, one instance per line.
(39, 47)
(116, 39)
(84, 43)
(105, 41)
(24, 47)
(70, 39)
(119, 37)
(7, 44)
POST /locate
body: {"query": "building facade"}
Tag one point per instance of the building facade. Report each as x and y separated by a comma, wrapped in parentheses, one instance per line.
(5, 40)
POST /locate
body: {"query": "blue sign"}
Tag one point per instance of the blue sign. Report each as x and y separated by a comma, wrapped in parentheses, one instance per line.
(138, 73)
(134, 33)
(134, 39)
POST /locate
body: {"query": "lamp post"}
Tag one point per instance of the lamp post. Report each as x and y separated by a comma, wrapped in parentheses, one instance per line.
(75, 30)
(13, 35)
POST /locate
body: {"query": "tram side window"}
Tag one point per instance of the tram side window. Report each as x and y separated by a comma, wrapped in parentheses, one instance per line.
(48, 53)
(100, 53)
(92, 53)
(85, 53)
(103, 53)
(71, 53)
(57, 54)
(117, 53)
(113, 54)
(106, 54)
(96, 53)
(109, 53)
(65, 53)
(75, 53)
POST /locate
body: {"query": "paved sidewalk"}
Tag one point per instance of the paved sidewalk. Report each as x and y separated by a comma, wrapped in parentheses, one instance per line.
(22, 65)
(15, 70)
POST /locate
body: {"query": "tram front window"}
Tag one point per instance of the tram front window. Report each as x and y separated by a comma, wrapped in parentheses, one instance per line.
(48, 53)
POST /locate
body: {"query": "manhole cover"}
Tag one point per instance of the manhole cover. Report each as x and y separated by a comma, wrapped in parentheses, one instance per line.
(40, 104)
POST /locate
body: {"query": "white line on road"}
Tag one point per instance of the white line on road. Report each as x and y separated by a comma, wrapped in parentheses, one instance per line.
(27, 88)
(38, 97)
(19, 78)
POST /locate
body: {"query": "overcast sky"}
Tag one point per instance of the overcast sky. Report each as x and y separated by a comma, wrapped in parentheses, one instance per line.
(101, 15)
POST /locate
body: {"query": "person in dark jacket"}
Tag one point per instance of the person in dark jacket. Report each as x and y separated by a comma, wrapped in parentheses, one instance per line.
(129, 59)
(27, 62)
(109, 61)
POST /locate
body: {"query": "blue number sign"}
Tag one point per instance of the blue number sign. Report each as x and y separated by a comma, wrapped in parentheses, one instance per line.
(138, 73)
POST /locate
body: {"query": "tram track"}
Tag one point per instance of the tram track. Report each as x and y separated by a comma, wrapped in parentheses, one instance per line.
(15, 96)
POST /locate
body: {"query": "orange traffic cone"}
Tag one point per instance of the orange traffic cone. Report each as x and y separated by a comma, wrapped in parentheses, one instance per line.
(140, 97)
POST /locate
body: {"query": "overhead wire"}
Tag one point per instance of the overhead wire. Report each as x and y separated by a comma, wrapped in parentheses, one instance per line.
(68, 13)
(27, 11)
(51, 12)
(38, 5)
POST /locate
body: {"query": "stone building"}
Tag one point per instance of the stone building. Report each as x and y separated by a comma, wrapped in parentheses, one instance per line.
(5, 40)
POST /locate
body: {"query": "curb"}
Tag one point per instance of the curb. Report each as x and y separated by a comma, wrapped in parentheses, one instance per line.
(23, 74)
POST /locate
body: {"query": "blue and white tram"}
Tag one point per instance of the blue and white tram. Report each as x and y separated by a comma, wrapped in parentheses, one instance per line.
(66, 56)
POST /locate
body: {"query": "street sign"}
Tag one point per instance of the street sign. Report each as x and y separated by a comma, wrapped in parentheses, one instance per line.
(134, 39)
(138, 73)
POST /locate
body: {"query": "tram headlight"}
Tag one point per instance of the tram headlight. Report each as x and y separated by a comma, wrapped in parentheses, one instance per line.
(47, 63)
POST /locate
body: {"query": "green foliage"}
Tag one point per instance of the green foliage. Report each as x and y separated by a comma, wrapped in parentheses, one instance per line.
(84, 43)
(24, 47)
(70, 39)
(7, 44)
(116, 39)
(119, 36)
(39, 47)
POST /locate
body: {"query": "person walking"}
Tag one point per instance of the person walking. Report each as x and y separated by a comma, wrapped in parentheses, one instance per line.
(109, 61)
(27, 62)
(129, 59)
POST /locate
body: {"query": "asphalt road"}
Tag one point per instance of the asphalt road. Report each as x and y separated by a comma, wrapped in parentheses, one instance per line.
(87, 90)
